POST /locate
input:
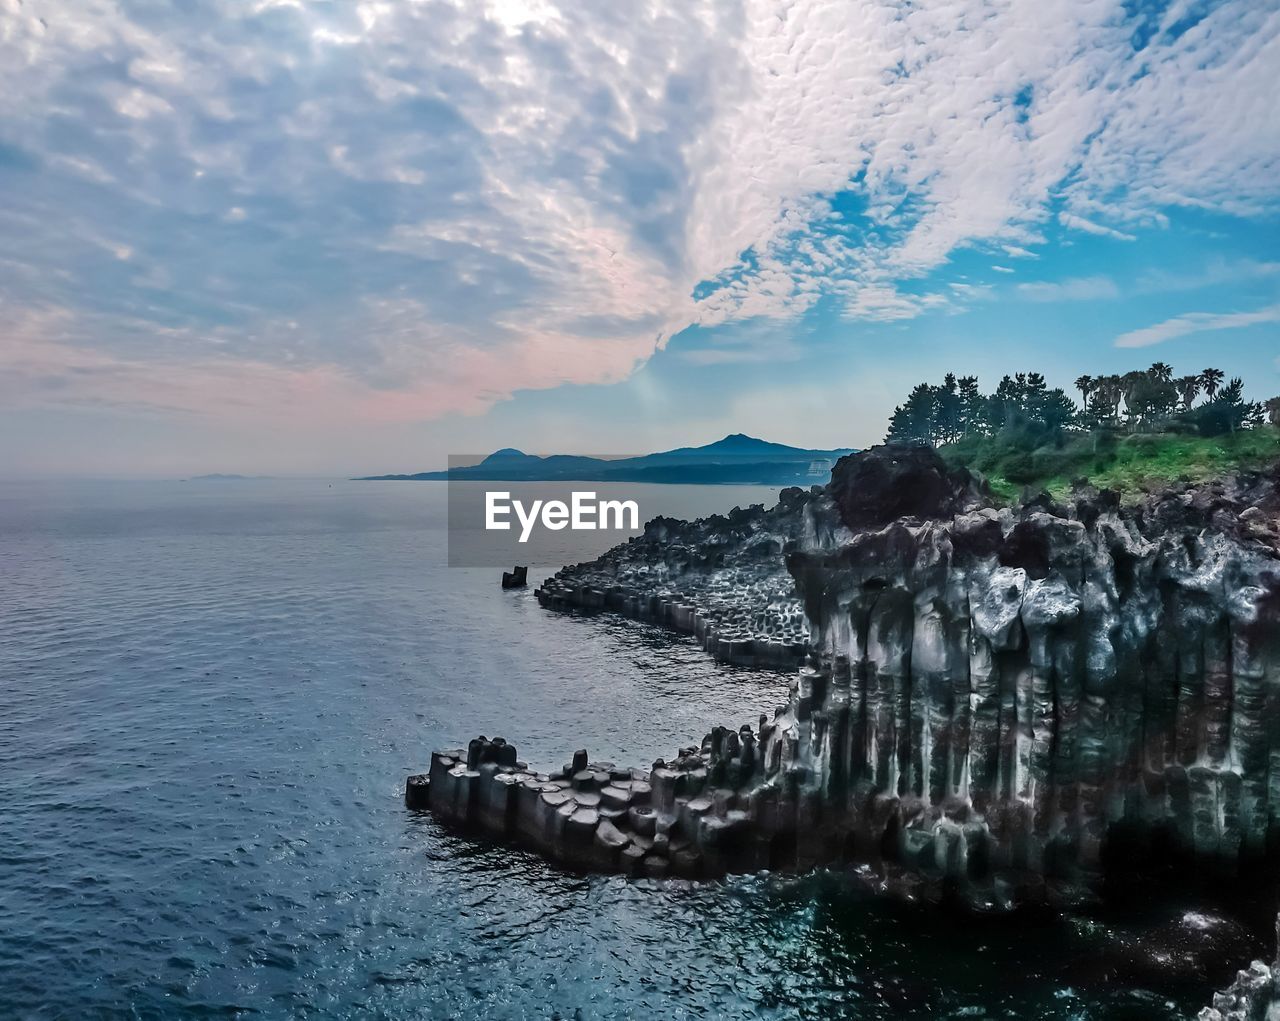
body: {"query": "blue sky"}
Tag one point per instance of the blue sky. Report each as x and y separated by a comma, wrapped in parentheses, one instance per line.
(333, 237)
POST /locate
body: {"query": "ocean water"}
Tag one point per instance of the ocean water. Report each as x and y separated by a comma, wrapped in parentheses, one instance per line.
(210, 696)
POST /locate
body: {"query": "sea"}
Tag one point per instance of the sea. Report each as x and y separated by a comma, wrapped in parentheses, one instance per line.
(211, 693)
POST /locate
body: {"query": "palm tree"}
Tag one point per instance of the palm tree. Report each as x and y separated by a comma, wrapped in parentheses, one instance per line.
(1188, 387)
(1161, 371)
(1211, 380)
(1111, 392)
(1085, 384)
(1128, 385)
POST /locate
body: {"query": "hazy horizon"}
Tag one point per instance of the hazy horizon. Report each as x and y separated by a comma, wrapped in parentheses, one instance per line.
(451, 460)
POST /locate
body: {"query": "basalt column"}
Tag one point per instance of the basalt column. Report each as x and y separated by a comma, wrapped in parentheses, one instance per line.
(996, 699)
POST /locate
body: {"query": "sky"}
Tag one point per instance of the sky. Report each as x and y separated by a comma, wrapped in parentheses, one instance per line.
(326, 238)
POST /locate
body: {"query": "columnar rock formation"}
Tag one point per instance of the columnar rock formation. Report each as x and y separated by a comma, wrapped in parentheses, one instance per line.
(1059, 670)
(995, 695)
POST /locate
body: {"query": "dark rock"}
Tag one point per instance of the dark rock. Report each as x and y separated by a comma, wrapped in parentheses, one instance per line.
(880, 485)
(1253, 996)
(721, 579)
(415, 791)
(1005, 702)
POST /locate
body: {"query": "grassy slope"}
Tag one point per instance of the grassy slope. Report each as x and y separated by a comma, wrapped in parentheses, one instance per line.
(1124, 463)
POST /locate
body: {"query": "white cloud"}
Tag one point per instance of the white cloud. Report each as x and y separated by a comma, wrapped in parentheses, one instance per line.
(1196, 322)
(1191, 122)
(917, 108)
(456, 201)
(1218, 271)
(1072, 289)
(1089, 227)
(763, 342)
(882, 303)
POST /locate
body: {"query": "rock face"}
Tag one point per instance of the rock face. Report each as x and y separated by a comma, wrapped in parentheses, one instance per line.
(1253, 996)
(1051, 672)
(722, 579)
(995, 698)
(896, 482)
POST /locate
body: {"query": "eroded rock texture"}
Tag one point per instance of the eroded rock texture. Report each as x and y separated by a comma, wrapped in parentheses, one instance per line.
(994, 695)
(722, 579)
(1253, 996)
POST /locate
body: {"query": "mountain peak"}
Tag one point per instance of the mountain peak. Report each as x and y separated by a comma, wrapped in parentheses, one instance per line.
(505, 454)
(740, 440)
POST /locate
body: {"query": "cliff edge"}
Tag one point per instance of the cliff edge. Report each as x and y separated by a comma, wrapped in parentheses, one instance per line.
(996, 700)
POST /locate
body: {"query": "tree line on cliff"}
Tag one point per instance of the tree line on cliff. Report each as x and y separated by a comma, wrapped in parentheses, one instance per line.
(1128, 431)
(1149, 401)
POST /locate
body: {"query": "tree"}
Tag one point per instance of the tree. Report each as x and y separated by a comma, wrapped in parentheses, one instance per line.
(913, 422)
(972, 407)
(1129, 384)
(1100, 412)
(946, 410)
(1151, 400)
(1035, 392)
(1005, 405)
(1085, 384)
(1109, 392)
(1227, 412)
(1211, 380)
(1162, 372)
(1057, 411)
(1188, 388)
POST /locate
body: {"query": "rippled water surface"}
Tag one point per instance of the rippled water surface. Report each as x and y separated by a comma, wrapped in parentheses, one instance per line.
(210, 695)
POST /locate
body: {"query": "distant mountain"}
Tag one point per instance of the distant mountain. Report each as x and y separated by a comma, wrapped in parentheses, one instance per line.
(739, 443)
(506, 454)
(735, 460)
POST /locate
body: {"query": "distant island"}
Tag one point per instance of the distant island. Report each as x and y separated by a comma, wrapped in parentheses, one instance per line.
(735, 460)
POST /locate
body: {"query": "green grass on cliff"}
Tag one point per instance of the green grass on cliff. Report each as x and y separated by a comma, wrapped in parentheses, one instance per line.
(1013, 461)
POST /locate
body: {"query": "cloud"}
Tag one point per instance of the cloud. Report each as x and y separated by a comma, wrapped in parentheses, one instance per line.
(1089, 227)
(419, 210)
(1071, 289)
(1218, 271)
(1190, 122)
(758, 351)
(884, 303)
(1196, 322)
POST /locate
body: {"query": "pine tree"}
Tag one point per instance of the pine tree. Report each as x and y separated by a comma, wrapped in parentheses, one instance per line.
(972, 407)
(913, 422)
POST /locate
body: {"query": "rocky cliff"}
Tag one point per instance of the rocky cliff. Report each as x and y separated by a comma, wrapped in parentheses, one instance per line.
(995, 699)
(722, 579)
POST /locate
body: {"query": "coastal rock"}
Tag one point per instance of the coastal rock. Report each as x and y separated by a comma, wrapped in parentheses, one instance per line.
(1001, 703)
(887, 483)
(721, 579)
(1253, 996)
